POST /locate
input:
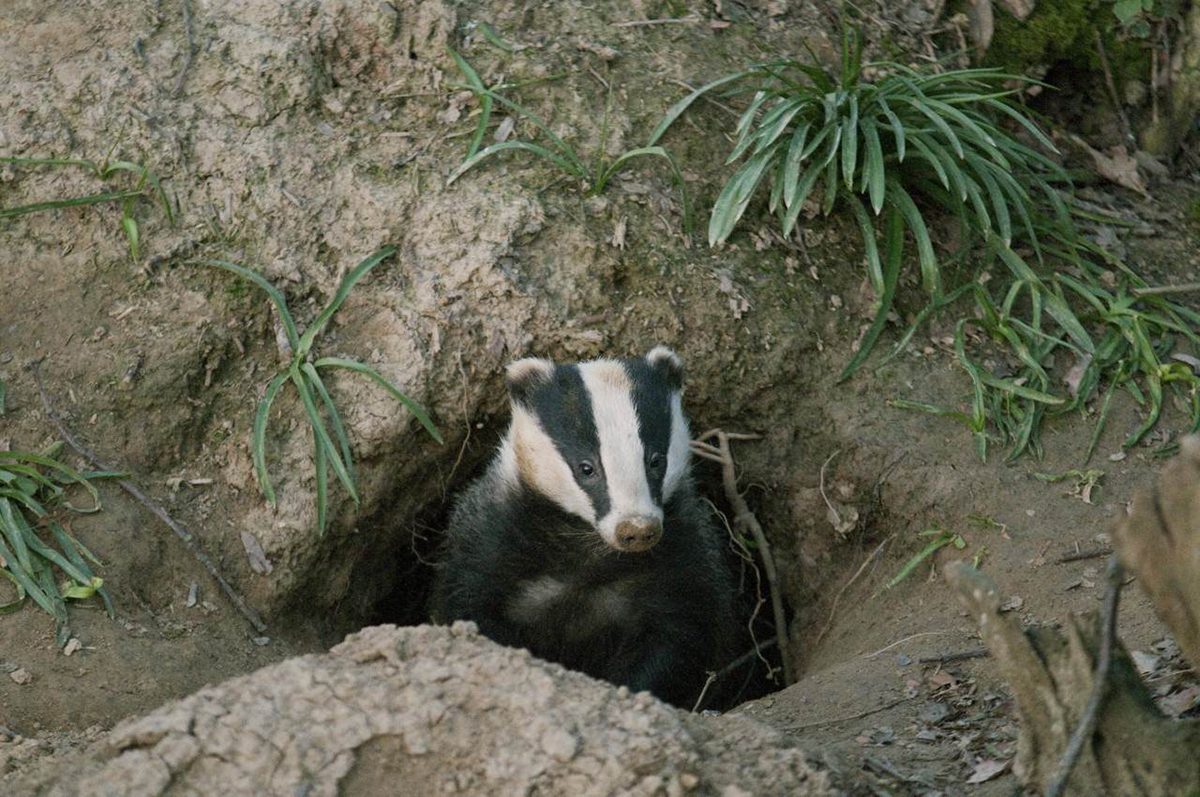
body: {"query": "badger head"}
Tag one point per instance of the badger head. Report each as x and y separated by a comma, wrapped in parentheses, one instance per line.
(604, 440)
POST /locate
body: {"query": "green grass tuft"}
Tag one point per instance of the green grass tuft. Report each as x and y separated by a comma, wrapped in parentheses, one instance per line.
(32, 487)
(557, 151)
(305, 376)
(916, 142)
(144, 179)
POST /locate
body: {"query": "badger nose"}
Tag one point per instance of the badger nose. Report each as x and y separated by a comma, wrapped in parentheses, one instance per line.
(637, 534)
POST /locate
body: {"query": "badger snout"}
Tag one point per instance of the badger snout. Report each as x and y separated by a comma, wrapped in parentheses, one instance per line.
(637, 534)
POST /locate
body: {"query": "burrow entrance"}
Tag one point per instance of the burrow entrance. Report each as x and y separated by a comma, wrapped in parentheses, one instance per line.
(754, 671)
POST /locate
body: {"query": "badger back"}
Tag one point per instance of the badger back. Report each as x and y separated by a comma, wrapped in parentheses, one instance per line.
(605, 440)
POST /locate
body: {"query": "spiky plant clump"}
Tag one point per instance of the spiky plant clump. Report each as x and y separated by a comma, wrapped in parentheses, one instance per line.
(305, 375)
(915, 142)
(33, 488)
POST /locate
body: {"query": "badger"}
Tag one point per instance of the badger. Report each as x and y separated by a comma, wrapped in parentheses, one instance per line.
(585, 540)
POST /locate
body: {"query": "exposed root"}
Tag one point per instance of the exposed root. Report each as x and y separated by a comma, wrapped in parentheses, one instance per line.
(1100, 682)
(743, 552)
(908, 638)
(731, 667)
(1078, 555)
(962, 655)
(189, 540)
(848, 717)
(744, 520)
(190, 50)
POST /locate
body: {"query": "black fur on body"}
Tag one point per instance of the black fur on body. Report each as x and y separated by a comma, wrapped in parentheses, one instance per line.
(532, 574)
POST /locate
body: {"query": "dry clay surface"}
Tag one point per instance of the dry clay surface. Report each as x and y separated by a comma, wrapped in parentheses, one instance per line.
(427, 710)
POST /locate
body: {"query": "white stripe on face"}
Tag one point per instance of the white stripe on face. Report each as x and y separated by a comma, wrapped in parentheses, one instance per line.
(621, 453)
(529, 452)
(679, 452)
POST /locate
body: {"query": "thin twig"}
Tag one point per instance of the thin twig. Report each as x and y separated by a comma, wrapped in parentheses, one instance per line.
(745, 520)
(846, 586)
(189, 540)
(1091, 712)
(962, 655)
(1075, 557)
(713, 677)
(715, 102)
(1112, 91)
(837, 517)
(191, 46)
(640, 23)
(848, 717)
(466, 422)
(755, 652)
(908, 638)
(1187, 287)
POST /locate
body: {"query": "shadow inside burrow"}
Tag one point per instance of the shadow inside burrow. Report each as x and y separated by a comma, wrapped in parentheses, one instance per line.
(755, 666)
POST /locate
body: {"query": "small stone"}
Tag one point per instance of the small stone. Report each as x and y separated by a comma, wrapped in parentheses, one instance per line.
(72, 645)
(21, 676)
(689, 781)
(261, 640)
(559, 744)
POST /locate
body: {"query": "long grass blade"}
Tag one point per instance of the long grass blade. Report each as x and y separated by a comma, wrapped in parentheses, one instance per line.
(894, 249)
(91, 199)
(912, 217)
(416, 409)
(335, 418)
(487, 152)
(318, 426)
(485, 102)
(285, 316)
(348, 282)
(676, 110)
(259, 441)
(653, 152)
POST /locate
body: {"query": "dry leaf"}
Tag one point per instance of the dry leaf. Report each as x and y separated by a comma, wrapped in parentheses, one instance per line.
(602, 50)
(1117, 166)
(258, 559)
(618, 236)
(987, 769)
(1182, 701)
(504, 130)
(1075, 375)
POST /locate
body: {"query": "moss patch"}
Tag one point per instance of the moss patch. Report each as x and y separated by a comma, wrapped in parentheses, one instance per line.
(1061, 31)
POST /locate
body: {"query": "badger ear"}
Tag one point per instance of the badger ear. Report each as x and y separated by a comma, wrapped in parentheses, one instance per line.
(523, 377)
(667, 363)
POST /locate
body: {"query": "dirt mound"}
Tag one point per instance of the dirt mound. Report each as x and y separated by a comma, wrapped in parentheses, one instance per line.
(427, 711)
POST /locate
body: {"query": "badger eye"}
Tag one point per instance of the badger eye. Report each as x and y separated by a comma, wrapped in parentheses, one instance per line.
(656, 460)
(586, 468)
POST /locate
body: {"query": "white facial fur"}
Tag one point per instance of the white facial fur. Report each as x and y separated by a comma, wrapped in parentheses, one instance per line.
(621, 454)
(679, 451)
(528, 454)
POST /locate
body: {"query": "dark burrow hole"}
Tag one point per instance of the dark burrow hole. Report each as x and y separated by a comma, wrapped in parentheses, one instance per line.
(755, 669)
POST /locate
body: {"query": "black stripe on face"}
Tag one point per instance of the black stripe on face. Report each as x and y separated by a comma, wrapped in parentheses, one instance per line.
(652, 391)
(563, 406)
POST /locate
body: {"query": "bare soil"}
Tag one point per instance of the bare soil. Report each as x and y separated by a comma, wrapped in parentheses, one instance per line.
(300, 141)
